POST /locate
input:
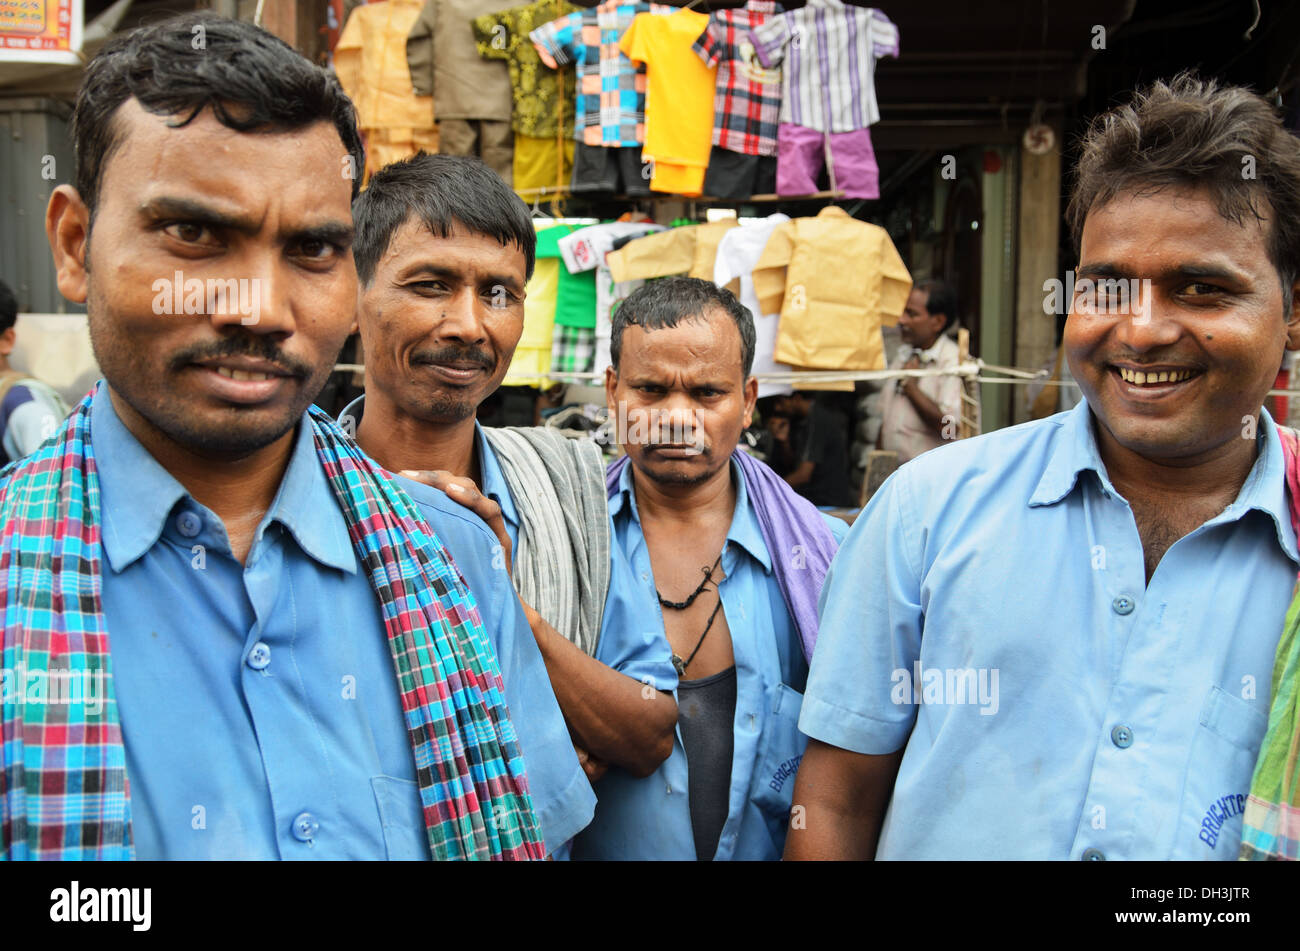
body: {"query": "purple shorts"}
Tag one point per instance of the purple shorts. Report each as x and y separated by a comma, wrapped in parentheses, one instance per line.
(800, 156)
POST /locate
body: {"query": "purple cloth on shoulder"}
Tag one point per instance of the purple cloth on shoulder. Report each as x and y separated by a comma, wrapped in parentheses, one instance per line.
(798, 540)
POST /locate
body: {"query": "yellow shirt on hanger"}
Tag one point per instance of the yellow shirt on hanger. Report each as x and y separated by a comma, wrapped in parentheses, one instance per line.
(679, 98)
(836, 281)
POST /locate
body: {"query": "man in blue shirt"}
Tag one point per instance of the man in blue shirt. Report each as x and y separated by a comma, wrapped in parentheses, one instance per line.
(444, 250)
(29, 410)
(690, 523)
(260, 712)
(1055, 641)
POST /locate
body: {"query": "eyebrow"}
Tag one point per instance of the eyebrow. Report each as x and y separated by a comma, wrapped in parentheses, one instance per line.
(510, 283)
(196, 212)
(1114, 269)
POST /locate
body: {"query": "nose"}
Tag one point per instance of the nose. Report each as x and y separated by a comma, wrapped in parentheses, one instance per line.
(1151, 322)
(460, 319)
(257, 299)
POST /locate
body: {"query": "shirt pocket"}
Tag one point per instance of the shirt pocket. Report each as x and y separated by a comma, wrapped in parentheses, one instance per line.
(1219, 768)
(781, 748)
(401, 815)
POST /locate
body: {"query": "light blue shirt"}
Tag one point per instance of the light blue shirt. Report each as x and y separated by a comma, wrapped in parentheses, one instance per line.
(1068, 709)
(650, 818)
(259, 706)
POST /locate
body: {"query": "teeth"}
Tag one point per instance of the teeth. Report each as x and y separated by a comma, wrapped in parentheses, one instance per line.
(1140, 378)
(242, 374)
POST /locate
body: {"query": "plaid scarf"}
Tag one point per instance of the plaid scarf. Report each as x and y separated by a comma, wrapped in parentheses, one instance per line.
(1271, 824)
(64, 792)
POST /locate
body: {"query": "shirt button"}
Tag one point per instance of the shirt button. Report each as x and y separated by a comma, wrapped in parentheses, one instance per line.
(305, 827)
(1093, 855)
(1121, 736)
(260, 656)
(670, 788)
(189, 524)
(1123, 605)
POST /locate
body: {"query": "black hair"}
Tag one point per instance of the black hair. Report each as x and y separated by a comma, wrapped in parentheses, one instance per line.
(1194, 133)
(439, 190)
(940, 298)
(179, 66)
(666, 302)
(8, 307)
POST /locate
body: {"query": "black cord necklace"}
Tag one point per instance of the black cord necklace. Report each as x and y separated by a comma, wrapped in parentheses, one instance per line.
(680, 665)
(683, 605)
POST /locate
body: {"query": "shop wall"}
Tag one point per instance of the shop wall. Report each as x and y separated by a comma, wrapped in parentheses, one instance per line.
(997, 281)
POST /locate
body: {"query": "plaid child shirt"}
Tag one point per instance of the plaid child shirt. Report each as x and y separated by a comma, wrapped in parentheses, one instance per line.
(573, 350)
(611, 88)
(748, 102)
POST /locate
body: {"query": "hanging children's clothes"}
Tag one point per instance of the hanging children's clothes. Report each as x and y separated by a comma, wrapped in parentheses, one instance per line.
(679, 98)
(828, 51)
(370, 61)
(835, 280)
(471, 95)
(747, 104)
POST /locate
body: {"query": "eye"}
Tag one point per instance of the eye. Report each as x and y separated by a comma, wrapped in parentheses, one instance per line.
(318, 249)
(188, 232)
(1203, 290)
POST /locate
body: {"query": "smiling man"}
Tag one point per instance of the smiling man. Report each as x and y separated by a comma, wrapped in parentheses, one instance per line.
(726, 561)
(285, 662)
(444, 250)
(1086, 608)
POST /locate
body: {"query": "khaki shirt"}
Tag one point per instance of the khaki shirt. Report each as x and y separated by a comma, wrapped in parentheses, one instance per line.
(836, 281)
(445, 64)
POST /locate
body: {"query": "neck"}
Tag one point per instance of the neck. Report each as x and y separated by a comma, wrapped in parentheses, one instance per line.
(398, 440)
(685, 504)
(1219, 472)
(238, 490)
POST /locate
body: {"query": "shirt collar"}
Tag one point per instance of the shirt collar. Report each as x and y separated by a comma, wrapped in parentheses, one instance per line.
(745, 531)
(1264, 489)
(138, 495)
(493, 480)
(935, 350)
(832, 211)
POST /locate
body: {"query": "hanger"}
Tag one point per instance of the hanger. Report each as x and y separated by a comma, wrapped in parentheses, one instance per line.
(537, 213)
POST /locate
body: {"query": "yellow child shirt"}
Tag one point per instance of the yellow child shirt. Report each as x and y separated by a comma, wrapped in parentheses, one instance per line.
(679, 98)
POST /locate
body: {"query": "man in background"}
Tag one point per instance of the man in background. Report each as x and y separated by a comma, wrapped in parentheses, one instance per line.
(30, 411)
(811, 449)
(920, 413)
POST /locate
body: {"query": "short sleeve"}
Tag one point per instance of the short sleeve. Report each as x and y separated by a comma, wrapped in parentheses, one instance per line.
(869, 635)
(769, 39)
(632, 640)
(557, 42)
(635, 42)
(708, 47)
(884, 35)
(493, 35)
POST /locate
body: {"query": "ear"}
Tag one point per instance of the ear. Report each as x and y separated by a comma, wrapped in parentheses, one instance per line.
(1293, 321)
(7, 341)
(751, 399)
(67, 226)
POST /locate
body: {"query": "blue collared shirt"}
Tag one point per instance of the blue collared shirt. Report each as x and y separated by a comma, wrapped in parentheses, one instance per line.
(1068, 709)
(258, 702)
(650, 818)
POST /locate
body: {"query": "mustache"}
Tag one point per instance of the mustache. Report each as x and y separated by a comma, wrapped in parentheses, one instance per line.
(247, 345)
(454, 355)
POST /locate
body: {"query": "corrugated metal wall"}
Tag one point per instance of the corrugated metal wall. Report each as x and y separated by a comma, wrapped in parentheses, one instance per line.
(35, 156)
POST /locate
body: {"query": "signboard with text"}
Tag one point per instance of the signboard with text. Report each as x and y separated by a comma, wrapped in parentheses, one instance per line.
(40, 31)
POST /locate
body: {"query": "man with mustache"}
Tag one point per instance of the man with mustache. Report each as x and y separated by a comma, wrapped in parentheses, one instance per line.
(287, 662)
(1056, 640)
(728, 561)
(444, 250)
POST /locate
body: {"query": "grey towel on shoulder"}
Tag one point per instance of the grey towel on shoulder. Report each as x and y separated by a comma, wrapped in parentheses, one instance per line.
(562, 556)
